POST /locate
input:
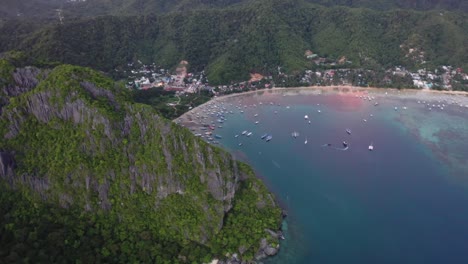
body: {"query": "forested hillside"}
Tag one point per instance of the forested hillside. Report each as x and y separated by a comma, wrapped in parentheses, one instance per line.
(458, 5)
(257, 36)
(91, 8)
(86, 175)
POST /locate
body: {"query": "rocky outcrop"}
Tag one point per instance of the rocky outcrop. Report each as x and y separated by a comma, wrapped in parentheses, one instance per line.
(22, 81)
(86, 147)
(25, 79)
(266, 250)
(162, 159)
(7, 165)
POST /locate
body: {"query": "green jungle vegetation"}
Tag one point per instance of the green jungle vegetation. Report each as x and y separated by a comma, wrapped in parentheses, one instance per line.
(159, 99)
(249, 36)
(89, 176)
(47, 8)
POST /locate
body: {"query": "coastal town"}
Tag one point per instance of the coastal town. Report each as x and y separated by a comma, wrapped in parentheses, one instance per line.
(326, 72)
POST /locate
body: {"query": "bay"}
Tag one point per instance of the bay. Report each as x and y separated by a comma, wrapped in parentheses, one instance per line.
(404, 202)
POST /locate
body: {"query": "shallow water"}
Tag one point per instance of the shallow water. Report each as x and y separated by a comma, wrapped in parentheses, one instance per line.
(404, 202)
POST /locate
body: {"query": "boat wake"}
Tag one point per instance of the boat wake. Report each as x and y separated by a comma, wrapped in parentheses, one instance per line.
(333, 147)
(276, 164)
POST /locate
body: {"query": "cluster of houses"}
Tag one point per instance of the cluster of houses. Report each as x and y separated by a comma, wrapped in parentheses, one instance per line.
(443, 78)
(143, 77)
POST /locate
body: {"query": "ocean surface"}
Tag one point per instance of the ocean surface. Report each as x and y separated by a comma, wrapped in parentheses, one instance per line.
(404, 202)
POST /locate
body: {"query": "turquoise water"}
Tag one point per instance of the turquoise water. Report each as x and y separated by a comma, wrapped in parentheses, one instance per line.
(404, 202)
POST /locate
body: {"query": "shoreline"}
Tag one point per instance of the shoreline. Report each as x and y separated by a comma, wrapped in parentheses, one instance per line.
(347, 88)
(187, 120)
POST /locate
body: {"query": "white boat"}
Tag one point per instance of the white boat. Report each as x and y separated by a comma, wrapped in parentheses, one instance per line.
(294, 134)
(249, 134)
(371, 147)
(244, 132)
(319, 111)
(305, 142)
(256, 122)
(236, 136)
(309, 122)
(256, 115)
(306, 117)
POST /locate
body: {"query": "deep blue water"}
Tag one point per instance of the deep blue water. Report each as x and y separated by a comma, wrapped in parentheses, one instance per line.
(404, 202)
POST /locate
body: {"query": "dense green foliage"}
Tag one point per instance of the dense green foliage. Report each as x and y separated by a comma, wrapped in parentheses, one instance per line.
(160, 100)
(257, 36)
(107, 180)
(403, 4)
(77, 8)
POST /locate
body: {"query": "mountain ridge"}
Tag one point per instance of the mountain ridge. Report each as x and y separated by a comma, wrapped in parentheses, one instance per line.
(90, 8)
(258, 37)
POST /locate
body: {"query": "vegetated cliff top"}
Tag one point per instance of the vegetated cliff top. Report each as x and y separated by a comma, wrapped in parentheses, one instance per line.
(113, 179)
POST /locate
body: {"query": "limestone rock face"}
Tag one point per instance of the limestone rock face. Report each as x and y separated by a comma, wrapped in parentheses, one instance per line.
(73, 140)
(95, 124)
(7, 165)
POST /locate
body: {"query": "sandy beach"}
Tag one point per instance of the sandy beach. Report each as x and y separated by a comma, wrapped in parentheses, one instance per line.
(186, 118)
